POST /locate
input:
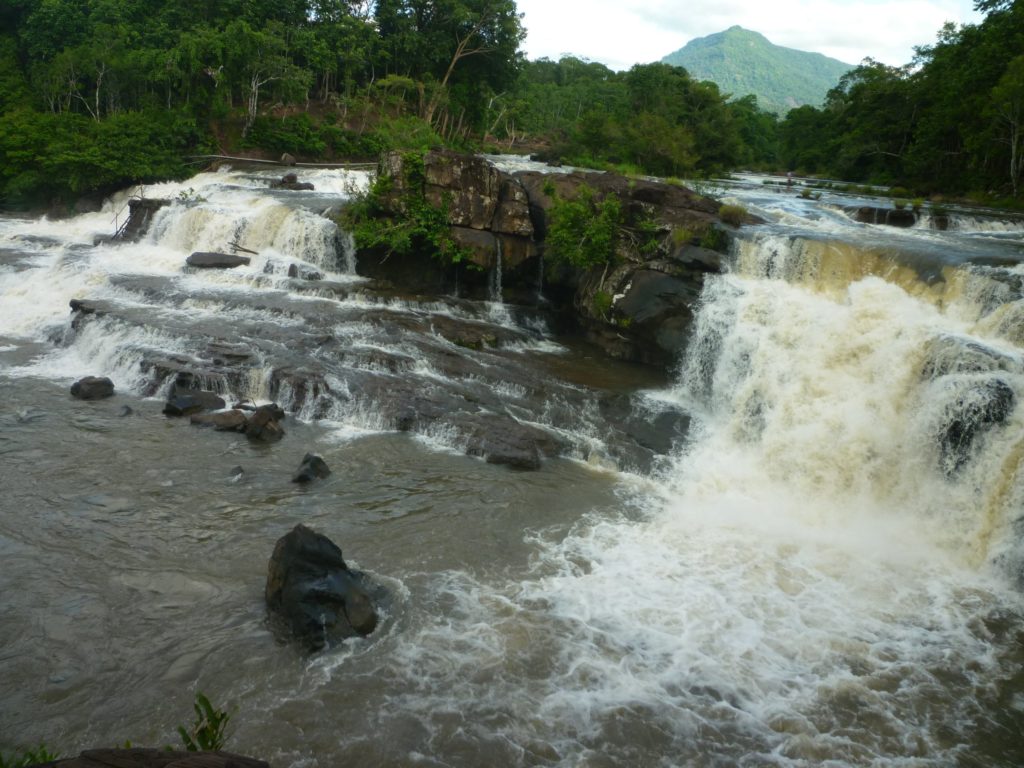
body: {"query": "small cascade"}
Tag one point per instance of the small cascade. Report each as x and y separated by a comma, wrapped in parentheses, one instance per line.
(494, 287)
(959, 222)
(346, 252)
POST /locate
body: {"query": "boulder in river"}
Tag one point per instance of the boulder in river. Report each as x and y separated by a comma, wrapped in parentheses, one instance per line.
(974, 411)
(207, 260)
(191, 401)
(264, 425)
(232, 420)
(92, 388)
(312, 591)
(311, 468)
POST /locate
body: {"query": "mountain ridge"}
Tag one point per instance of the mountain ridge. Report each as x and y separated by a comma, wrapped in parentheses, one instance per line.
(741, 62)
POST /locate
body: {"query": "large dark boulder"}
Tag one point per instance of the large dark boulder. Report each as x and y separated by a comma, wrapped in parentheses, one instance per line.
(973, 412)
(192, 401)
(311, 468)
(204, 260)
(504, 441)
(92, 388)
(233, 420)
(312, 592)
(264, 425)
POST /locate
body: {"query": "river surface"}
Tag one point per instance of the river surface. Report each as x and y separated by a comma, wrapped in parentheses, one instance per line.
(824, 569)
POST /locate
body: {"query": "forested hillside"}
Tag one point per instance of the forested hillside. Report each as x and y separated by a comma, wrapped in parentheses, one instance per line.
(743, 62)
(96, 93)
(951, 121)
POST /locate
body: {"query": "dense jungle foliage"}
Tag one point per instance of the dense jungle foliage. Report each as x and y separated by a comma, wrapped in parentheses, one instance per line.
(951, 121)
(98, 94)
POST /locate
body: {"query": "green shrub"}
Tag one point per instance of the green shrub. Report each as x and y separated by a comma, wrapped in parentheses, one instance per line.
(732, 215)
(899, 204)
(420, 228)
(899, 192)
(714, 239)
(208, 730)
(295, 134)
(602, 303)
(584, 231)
(29, 757)
(681, 236)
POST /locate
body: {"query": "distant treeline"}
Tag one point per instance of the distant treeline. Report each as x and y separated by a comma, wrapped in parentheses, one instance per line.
(950, 122)
(96, 94)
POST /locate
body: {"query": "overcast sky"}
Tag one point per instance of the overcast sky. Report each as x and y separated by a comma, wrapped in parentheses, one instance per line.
(621, 33)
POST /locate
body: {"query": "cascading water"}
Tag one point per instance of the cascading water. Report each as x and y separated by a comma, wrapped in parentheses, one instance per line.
(827, 572)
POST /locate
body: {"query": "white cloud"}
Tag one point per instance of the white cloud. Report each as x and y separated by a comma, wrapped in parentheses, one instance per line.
(621, 35)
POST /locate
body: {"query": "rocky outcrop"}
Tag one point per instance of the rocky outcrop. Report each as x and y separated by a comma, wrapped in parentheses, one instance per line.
(637, 308)
(140, 215)
(154, 758)
(92, 388)
(206, 260)
(291, 181)
(313, 594)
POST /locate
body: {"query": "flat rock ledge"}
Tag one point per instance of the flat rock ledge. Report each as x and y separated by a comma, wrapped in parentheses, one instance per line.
(154, 758)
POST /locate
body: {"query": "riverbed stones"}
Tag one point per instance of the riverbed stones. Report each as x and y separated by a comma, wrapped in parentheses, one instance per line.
(209, 260)
(92, 388)
(311, 468)
(313, 593)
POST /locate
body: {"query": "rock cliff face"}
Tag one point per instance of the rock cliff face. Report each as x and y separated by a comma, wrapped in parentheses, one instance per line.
(637, 307)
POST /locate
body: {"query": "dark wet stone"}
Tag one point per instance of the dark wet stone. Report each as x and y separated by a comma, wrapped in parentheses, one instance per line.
(975, 412)
(204, 260)
(313, 593)
(222, 421)
(92, 388)
(501, 440)
(236, 472)
(264, 425)
(189, 402)
(126, 411)
(302, 272)
(311, 468)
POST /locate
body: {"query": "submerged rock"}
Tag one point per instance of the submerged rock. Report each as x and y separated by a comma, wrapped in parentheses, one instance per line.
(222, 421)
(975, 410)
(520, 446)
(312, 591)
(312, 467)
(92, 388)
(189, 402)
(206, 260)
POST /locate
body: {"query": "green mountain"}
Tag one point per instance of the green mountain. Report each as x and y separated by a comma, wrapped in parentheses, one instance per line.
(742, 62)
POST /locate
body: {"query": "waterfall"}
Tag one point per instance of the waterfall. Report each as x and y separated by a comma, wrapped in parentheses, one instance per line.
(494, 289)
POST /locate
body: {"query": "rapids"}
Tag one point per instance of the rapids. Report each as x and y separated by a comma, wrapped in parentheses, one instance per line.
(827, 570)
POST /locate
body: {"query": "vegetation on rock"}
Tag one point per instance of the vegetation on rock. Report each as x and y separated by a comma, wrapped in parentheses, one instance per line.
(421, 228)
